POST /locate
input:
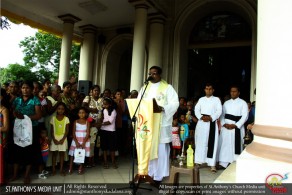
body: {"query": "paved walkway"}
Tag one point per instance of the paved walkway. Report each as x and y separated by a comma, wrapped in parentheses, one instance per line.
(122, 176)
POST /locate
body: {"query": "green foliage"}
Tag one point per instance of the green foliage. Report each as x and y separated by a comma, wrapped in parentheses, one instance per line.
(16, 72)
(44, 50)
(75, 57)
(42, 57)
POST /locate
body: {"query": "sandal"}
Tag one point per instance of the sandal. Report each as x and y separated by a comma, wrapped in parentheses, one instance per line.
(80, 171)
(45, 172)
(70, 171)
(42, 176)
(105, 166)
(213, 169)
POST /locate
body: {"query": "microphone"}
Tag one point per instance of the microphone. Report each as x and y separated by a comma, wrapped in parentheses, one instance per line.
(150, 78)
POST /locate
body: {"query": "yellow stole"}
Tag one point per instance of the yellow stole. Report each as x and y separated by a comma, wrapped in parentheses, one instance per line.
(161, 92)
(148, 126)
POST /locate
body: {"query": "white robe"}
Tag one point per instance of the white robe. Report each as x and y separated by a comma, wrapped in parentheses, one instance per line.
(159, 168)
(226, 148)
(209, 106)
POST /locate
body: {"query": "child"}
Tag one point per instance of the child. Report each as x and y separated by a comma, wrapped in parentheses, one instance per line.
(42, 128)
(191, 120)
(176, 143)
(81, 131)
(44, 141)
(44, 107)
(108, 136)
(60, 129)
(184, 130)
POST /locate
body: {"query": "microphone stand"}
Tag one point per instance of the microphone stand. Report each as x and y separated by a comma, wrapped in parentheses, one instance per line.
(132, 183)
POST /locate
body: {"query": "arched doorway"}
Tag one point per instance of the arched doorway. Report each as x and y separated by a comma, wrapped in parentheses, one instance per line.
(189, 17)
(220, 66)
(219, 52)
(116, 61)
(125, 69)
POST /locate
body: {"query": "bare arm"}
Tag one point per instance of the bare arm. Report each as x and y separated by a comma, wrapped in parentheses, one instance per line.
(37, 115)
(5, 125)
(53, 135)
(65, 135)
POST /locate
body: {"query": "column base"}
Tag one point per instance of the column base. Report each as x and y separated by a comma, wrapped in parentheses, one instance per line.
(255, 169)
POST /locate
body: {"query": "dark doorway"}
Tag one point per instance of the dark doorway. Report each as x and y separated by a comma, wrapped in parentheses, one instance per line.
(220, 66)
(125, 70)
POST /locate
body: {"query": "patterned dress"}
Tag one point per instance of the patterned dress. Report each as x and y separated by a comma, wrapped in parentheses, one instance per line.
(80, 134)
(176, 143)
(92, 103)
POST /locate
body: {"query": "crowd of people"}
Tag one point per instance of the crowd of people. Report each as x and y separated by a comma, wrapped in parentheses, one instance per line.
(63, 120)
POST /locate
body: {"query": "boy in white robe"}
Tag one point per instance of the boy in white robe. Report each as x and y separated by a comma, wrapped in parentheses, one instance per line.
(207, 110)
(234, 115)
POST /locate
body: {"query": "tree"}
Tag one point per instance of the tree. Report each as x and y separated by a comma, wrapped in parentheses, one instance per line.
(42, 58)
(43, 51)
(16, 72)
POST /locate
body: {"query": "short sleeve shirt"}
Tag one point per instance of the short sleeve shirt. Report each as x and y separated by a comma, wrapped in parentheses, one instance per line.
(27, 107)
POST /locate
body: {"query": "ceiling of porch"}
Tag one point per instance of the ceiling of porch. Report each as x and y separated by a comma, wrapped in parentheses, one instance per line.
(44, 14)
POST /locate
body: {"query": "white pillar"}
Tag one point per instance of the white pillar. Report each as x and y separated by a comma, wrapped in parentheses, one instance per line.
(271, 150)
(87, 53)
(156, 40)
(138, 56)
(97, 71)
(68, 27)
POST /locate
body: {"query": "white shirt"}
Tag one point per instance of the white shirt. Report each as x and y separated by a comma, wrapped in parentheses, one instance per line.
(209, 106)
(111, 119)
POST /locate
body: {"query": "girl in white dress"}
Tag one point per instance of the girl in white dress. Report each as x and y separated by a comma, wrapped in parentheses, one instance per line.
(81, 134)
(176, 142)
